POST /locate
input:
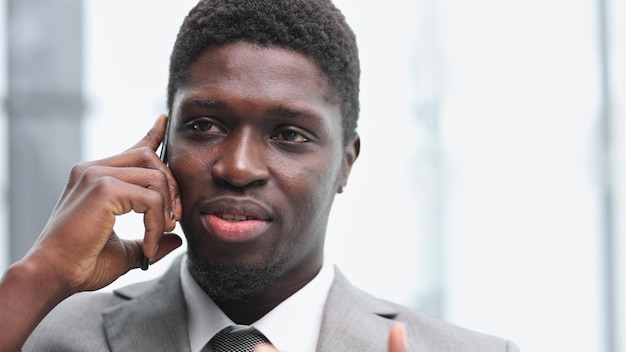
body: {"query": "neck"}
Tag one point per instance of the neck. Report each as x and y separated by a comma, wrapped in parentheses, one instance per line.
(248, 311)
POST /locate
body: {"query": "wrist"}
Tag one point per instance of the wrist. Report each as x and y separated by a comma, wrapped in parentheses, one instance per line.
(27, 295)
(39, 279)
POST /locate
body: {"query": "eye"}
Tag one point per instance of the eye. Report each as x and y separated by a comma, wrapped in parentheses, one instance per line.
(202, 126)
(290, 136)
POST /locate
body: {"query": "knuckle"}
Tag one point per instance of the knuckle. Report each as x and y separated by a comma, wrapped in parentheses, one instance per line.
(156, 199)
(102, 184)
(160, 176)
(78, 170)
(145, 155)
(90, 174)
(157, 179)
(85, 173)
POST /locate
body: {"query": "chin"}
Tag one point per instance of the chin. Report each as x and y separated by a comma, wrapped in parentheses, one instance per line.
(225, 282)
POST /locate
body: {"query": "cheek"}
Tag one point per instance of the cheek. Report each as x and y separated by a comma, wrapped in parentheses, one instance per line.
(188, 168)
(311, 194)
(310, 187)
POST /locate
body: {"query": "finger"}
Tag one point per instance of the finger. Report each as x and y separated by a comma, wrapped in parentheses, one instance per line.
(265, 348)
(152, 179)
(155, 135)
(152, 140)
(116, 197)
(141, 154)
(169, 242)
(134, 249)
(147, 158)
(397, 338)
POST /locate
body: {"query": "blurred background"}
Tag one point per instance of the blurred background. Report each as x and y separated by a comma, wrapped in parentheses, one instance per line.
(490, 190)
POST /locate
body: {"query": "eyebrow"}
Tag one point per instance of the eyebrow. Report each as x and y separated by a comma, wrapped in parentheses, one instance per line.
(291, 112)
(210, 103)
(279, 111)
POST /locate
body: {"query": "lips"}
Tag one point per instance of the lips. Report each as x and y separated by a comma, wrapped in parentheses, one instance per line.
(235, 220)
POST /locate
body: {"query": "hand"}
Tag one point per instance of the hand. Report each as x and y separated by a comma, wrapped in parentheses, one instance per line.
(397, 341)
(78, 244)
(78, 249)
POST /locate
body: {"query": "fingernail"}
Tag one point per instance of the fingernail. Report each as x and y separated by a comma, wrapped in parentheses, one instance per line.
(145, 263)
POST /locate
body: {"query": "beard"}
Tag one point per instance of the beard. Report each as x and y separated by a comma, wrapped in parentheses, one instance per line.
(234, 282)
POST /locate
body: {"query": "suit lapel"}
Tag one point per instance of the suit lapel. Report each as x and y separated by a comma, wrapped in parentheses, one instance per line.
(154, 318)
(353, 320)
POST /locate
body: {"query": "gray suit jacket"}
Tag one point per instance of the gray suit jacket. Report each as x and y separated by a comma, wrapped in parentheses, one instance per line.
(152, 316)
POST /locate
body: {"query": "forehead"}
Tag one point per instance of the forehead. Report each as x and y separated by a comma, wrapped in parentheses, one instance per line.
(264, 69)
(244, 80)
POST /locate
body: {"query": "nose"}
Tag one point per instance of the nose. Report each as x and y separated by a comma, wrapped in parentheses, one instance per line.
(242, 161)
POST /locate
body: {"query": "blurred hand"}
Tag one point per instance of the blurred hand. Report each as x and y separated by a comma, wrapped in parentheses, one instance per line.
(397, 338)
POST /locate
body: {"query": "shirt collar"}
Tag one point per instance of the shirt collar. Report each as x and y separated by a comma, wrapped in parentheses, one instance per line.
(204, 317)
(303, 309)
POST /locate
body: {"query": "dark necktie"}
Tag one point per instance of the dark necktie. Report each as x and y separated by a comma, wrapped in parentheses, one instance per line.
(237, 339)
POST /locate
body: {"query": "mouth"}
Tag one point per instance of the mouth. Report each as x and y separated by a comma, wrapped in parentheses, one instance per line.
(235, 217)
(235, 220)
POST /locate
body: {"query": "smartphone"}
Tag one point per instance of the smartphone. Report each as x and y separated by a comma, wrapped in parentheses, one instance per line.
(165, 141)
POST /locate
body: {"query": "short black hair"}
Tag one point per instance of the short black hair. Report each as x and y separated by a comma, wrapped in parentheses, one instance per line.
(314, 28)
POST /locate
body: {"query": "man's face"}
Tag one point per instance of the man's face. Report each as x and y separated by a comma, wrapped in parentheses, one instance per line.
(256, 147)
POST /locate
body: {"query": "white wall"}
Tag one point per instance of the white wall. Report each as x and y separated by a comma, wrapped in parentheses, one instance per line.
(521, 127)
(617, 56)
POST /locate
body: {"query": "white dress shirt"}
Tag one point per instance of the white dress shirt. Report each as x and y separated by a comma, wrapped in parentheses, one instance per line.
(292, 326)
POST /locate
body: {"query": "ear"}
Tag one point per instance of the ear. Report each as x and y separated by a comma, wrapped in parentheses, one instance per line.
(351, 153)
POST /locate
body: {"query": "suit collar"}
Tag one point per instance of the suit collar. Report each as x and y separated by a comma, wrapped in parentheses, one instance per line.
(153, 319)
(354, 320)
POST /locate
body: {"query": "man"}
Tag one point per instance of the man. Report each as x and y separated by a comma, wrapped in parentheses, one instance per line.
(263, 99)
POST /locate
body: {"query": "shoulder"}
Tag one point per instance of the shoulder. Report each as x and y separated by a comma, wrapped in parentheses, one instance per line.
(424, 331)
(434, 334)
(76, 324)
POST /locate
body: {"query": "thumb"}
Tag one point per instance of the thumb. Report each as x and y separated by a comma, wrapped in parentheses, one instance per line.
(265, 348)
(168, 243)
(153, 138)
(397, 338)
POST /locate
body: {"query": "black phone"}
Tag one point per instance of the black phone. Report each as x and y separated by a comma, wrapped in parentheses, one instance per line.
(165, 141)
